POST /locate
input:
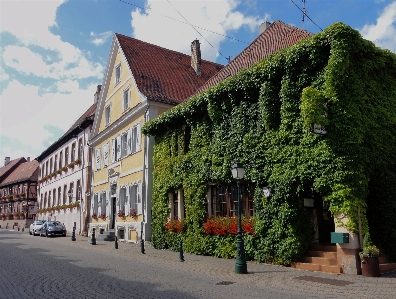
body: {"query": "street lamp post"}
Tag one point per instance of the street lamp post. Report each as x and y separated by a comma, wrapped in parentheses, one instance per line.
(240, 262)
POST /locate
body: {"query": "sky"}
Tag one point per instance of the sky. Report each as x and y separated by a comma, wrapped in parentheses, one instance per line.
(53, 53)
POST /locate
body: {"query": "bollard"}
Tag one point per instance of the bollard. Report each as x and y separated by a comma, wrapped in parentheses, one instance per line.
(181, 257)
(116, 243)
(18, 227)
(12, 227)
(73, 238)
(7, 226)
(93, 239)
(23, 229)
(142, 246)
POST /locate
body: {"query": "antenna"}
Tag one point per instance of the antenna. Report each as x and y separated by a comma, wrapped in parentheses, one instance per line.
(304, 11)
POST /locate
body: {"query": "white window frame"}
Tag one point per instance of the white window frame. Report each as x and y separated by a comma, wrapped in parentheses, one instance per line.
(106, 148)
(98, 158)
(117, 79)
(107, 114)
(124, 145)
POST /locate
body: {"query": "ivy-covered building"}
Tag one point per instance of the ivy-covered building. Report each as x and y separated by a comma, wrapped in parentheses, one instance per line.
(315, 123)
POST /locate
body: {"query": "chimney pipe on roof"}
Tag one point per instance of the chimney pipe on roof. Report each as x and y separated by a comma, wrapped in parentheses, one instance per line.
(28, 159)
(97, 93)
(6, 160)
(264, 26)
(196, 57)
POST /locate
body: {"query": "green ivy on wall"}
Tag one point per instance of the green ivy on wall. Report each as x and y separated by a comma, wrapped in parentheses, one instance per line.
(262, 117)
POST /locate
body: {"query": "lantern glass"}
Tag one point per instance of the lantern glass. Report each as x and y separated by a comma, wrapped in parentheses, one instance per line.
(237, 170)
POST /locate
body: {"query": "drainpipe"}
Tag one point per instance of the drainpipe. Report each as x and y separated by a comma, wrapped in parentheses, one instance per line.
(144, 193)
(90, 173)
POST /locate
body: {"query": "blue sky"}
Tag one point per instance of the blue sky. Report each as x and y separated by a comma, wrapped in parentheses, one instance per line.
(53, 53)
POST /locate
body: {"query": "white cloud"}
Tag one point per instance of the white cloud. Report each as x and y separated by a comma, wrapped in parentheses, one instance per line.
(100, 38)
(31, 112)
(219, 16)
(383, 33)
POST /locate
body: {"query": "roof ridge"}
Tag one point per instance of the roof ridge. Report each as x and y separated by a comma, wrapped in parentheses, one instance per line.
(148, 43)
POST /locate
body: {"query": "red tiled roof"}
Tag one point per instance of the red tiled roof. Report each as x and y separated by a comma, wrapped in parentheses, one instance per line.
(25, 171)
(275, 38)
(8, 167)
(162, 74)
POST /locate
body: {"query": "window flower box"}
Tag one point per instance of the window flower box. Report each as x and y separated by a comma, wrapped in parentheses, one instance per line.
(78, 162)
(103, 215)
(71, 165)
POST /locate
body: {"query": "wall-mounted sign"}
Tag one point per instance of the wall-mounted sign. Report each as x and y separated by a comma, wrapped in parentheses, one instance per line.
(267, 191)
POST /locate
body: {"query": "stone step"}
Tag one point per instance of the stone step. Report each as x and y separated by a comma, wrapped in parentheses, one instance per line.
(317, 267)
(319, 260)
(387, 267)
(325, 254)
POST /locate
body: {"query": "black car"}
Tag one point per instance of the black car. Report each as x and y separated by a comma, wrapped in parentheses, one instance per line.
(53, 228)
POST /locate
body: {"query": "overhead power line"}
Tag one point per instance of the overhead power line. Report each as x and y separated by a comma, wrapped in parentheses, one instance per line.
(194, 26)
(304, 11)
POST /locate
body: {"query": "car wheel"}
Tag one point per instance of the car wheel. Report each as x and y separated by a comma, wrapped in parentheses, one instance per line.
(30, 233)
(64, 235)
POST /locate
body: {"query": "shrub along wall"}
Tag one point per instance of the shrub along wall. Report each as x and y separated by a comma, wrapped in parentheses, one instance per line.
(262, 117)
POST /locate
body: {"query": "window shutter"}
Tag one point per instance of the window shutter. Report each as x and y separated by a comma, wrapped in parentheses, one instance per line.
(113, 149)
(138, 137)
(139, 199)
(118, 147)
(117, 200)
(98, 158)
(107, 203)
(106, 154)
(127, 203)
(129, 139)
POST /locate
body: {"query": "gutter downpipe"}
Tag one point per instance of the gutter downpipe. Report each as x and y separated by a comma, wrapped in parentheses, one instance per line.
(88, 204)
(145, 156)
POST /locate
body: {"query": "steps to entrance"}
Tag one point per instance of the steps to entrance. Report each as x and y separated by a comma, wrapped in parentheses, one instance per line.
(319, 258)
(108, 236)
(385, 265)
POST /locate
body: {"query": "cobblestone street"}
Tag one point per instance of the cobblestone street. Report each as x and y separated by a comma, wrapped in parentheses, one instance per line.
(34, 267)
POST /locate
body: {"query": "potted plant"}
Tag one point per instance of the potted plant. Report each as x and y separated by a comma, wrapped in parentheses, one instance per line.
(3, 216)
(103, 215)
(95, 216)
(9, 216)
(369, 258)
(78, 161)
(71, 165)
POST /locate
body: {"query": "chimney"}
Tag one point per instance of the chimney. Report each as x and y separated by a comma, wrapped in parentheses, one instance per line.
(6, 160)
(196, 57)
(264, 26)
(28, 159)
(97, 93)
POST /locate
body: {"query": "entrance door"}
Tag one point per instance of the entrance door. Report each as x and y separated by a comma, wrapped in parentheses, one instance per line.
(113, 212)
(325, 221)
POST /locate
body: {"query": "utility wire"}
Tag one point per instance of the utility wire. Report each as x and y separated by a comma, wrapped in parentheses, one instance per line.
(305, 14)
(195, 29)
(238, 40)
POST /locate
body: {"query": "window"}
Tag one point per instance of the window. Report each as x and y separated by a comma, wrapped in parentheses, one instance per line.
(64, 194)
(122, 200)
(117, 75)
(126, 98)
(41, 202)
(46, 168)
(134, 136)
(175, 205)
(71, 190)
(59, 196)
(95, 204)
(66, 156)
(73, 152)
(55, 162)
(78, 191)
(103, 202)
(54, 197)
(50, 169)
(60, 159)
(124, 145)
(224, 201)
(80, 148)
(45, 200)
(49, 199)
(133, 195)
(107, 115)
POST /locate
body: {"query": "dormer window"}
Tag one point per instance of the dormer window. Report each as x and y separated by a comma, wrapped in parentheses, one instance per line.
(117, 74)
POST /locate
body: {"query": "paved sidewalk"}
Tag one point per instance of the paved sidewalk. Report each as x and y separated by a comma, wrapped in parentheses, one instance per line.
(302, 283)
